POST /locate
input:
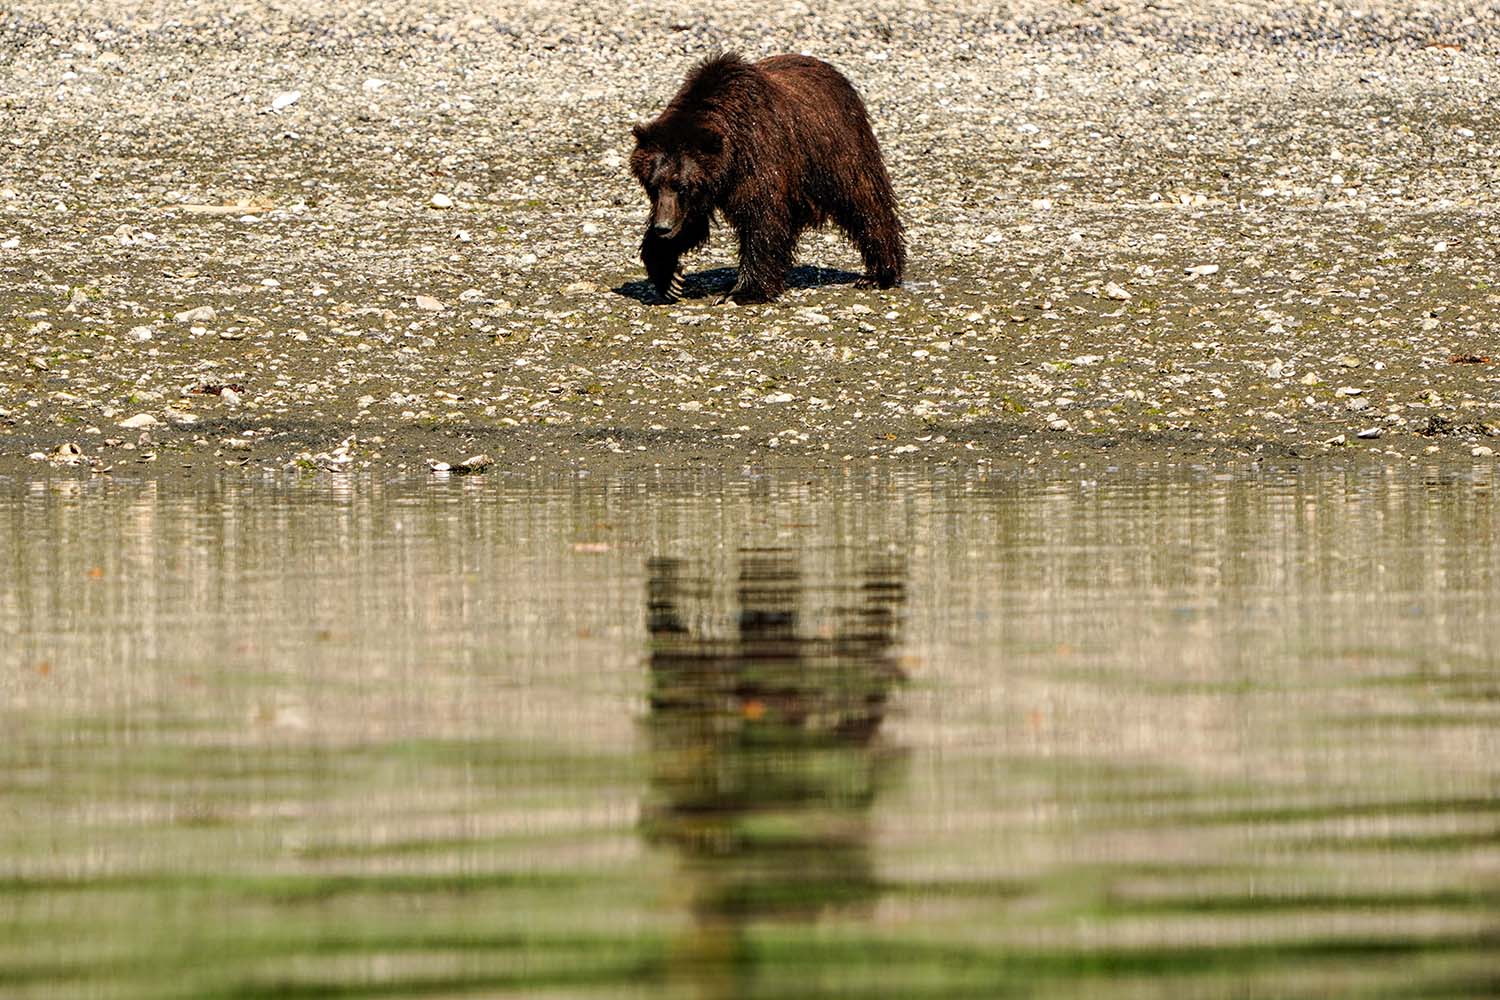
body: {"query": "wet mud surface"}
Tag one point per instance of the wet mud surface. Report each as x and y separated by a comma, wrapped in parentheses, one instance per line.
(400, 237)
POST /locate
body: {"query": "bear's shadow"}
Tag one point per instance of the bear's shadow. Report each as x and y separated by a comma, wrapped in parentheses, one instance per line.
(718, 281)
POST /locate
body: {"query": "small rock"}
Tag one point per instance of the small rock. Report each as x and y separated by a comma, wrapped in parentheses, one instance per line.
(474, 463)
(229, 397)
(139, 420)
(1337, 442)
(441, 200)
(1481, 451)
(1350, 361)
(141, 333)
(11, 244)
(1370, 433)
(371, 85)
(201, 314)
(285, 100)
(429, 303)
(1114, 291)
(1203, 270)
(778, 397)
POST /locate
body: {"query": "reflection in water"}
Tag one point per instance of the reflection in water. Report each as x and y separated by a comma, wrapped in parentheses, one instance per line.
(1166, 735)
(764, 752)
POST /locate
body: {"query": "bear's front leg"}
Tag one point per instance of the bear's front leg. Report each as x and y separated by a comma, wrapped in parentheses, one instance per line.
(661, 255)
(765, 258)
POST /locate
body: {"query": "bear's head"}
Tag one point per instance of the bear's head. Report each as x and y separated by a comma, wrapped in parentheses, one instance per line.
(679, 165)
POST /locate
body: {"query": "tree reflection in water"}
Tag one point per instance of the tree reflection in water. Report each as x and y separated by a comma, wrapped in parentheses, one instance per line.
(765, 756)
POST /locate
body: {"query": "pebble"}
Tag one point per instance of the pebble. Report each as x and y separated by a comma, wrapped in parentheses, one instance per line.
(138, 421)
(1481, 451)
(285, 100)
(1203, 270)
(441, 200)
(1114, 291)
(141, 333)
(1370, 433)
(229, 397)
(430, 304)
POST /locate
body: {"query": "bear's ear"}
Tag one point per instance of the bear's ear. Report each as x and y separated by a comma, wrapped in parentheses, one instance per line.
(639, 131)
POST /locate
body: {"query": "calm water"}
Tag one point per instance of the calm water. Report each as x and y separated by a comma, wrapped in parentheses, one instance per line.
(1136, 736)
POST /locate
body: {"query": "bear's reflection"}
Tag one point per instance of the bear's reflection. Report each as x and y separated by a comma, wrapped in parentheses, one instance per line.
(765, 759)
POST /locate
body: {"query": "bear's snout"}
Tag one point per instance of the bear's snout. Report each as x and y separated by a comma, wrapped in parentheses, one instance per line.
(666, 213)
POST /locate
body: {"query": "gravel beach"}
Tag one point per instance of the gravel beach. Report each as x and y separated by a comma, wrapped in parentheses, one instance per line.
(381, 236)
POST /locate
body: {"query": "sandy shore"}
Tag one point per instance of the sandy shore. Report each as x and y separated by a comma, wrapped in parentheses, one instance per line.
(406, 234)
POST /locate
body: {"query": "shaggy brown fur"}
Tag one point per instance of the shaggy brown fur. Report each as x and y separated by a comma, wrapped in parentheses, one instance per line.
(776, 147)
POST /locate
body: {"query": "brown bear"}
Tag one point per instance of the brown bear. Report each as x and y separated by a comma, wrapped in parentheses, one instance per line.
(776, 147)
